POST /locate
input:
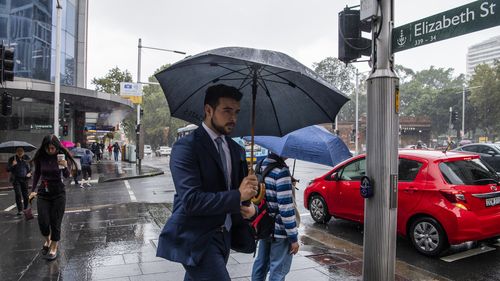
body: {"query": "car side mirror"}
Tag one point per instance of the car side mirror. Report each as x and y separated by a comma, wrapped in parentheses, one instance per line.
(332, 177)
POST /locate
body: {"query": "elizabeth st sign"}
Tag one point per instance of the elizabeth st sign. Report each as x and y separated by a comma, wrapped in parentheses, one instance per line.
(465, 19)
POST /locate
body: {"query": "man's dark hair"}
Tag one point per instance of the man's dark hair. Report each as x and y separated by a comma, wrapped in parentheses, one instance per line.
(215, 92)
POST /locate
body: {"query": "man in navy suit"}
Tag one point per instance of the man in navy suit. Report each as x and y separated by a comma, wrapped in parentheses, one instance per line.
(210, 175)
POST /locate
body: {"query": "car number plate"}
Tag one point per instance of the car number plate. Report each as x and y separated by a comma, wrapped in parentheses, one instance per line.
(492, 201)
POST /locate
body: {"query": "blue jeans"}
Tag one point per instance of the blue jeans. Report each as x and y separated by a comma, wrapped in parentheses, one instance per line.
(273, 257)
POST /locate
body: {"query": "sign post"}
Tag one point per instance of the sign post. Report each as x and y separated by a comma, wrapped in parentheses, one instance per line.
(458, 21)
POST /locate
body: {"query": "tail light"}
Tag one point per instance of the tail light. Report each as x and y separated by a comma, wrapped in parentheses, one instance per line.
(454, 196)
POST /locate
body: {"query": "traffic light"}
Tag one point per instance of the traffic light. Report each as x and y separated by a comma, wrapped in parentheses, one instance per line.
(6, 64)
(65, 111)
(351, 45)
(6, 104)
(65, 130)
(454, 117)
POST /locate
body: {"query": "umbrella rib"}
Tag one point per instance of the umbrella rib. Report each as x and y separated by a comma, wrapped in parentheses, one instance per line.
(303, 91)
(264, 86)
(202, 86)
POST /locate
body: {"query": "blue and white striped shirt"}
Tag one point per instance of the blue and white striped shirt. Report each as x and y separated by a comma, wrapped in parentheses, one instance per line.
(279, 197)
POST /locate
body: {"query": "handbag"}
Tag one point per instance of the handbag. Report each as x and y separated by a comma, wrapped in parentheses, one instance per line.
(28, 214)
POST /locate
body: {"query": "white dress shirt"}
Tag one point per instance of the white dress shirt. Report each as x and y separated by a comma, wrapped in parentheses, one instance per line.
(213, 135)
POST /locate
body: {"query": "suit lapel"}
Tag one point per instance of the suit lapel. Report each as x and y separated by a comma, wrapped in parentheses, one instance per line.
(208, 144)
(235, 161)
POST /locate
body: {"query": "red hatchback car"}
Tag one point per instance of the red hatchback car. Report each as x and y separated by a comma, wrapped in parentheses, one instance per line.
(443, 198)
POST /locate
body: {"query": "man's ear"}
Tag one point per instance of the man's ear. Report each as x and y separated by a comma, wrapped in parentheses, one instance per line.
(208, 110)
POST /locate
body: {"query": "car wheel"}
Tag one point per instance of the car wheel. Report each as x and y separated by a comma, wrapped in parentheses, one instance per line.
(318, 209)
(428, 236)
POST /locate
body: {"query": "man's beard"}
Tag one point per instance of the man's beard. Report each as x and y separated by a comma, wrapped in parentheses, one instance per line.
(220, 129)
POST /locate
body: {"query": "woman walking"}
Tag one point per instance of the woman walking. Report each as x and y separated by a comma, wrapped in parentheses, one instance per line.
(52, 162)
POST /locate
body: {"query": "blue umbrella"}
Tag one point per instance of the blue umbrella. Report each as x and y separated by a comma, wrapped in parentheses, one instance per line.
(313, 144)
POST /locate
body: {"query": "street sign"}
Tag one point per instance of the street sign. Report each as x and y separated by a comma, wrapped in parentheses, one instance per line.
(465, 19)
(131, 91)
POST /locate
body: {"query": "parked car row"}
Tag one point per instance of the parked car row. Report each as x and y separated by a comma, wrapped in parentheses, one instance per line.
(444, 198)
(161, 151)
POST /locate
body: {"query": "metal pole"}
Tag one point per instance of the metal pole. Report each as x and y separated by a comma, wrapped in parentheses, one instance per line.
(463, 113)
(356, 135)
(379, 247)
(57, 80)
(138, 132)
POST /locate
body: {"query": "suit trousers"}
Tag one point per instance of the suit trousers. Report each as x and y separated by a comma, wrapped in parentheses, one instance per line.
(212, 266)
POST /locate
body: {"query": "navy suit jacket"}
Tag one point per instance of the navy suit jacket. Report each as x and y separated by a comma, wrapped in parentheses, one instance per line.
(202, 198)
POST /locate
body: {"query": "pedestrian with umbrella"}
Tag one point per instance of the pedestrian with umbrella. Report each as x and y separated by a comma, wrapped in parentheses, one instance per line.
(19, 167)
(289, 96)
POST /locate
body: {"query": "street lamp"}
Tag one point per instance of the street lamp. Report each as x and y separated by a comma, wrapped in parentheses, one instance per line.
(139, 136)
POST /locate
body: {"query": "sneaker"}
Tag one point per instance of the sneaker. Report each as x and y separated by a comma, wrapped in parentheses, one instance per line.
(19, 213)
(81, 185)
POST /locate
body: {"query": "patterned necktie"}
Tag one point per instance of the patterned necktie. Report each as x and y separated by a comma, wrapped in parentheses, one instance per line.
(218, 140)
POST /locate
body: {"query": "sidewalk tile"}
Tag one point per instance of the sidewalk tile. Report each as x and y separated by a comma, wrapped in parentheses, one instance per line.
(114, 271)
(160, 266)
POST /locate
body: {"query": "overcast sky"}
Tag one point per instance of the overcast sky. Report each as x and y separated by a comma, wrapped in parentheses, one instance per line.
(305, 30)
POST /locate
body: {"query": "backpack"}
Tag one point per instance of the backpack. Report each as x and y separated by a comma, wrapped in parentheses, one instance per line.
(263, 224)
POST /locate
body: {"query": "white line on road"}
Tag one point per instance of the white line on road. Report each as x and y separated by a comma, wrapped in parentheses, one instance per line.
(304, 214)
(10, 208)
(466, 254)
(130, 192)
(3, 194)
(77, 211)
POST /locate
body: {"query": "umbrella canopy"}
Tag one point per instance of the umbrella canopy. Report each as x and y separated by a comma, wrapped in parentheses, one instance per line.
(78, 152)
(287, 94)
(313, 144)
(67, 144)
(10, 146)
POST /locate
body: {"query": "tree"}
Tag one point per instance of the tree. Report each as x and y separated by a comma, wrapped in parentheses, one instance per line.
(341, 76)
(159, 127)
(432, 92)
(485, 97)
(111, 82)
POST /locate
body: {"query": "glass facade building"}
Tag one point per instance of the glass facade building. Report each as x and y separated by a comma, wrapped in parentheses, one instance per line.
(29, 26)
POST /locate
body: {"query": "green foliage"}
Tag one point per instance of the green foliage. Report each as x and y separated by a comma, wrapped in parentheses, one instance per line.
(431, 92)
(159, 127)
(485, 97)
(341, 76)
(111, 82)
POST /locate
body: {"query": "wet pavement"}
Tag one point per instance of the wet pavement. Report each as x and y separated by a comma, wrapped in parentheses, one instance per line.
(110, 232)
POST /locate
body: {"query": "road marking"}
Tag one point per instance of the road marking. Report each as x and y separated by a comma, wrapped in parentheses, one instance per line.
(10, 208)
(77, 211)
(304, 214)
(130, 192)
(3, 194)
(466, 254)
(497, 244)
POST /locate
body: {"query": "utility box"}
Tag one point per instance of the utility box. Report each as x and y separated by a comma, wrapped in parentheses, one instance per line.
(131, 153)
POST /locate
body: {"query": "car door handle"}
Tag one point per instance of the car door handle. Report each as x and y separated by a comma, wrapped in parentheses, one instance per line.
(410, 189)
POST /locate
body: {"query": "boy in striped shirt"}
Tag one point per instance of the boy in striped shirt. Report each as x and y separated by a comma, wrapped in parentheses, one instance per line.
(274, 254)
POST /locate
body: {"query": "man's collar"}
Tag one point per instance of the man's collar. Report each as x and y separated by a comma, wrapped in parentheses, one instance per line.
(213, 135)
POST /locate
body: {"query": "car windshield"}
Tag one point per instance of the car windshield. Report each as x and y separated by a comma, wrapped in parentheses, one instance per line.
(468, 172)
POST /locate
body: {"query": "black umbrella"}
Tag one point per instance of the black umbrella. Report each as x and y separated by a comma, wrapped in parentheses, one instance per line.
(11, 146)
(288, 95)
